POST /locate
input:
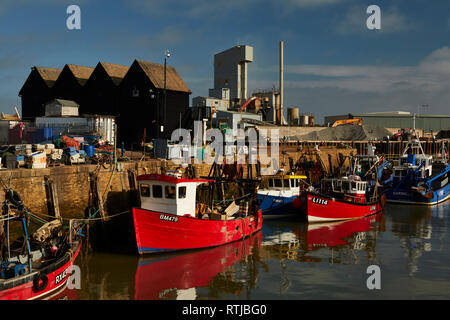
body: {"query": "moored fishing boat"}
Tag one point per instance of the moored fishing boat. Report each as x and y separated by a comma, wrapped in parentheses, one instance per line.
(418, 178)
(171, 217)
(340, 199)
(278, 200)
(35, 267)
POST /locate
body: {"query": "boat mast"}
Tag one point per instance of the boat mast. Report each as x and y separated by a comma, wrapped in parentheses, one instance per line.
(413, 140)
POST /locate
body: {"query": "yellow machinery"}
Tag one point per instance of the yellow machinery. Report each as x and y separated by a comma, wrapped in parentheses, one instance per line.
(347, 121)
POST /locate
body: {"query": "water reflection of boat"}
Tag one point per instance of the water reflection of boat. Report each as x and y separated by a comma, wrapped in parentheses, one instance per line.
(335, 234)
(176, 276)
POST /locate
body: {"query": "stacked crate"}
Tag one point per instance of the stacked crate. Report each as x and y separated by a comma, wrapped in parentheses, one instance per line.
(36, 160)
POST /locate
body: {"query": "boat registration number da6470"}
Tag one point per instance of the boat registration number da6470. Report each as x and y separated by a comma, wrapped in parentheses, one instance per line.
(320, 201)
(168, 218)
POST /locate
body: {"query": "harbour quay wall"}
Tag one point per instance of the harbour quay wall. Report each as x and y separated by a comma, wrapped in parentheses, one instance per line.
(74, 190)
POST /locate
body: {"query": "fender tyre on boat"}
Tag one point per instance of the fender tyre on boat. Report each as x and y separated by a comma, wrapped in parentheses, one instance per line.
(40, 282)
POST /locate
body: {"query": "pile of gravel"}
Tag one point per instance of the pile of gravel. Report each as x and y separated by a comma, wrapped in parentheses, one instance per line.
(349, 132)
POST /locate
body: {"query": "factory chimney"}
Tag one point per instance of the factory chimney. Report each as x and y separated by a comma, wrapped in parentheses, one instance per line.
(281, 119)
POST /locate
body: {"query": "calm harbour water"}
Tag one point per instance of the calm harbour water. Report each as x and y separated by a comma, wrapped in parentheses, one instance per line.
(290, 260)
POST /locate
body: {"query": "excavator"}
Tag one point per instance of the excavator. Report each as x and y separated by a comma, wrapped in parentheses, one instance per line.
(347, 121)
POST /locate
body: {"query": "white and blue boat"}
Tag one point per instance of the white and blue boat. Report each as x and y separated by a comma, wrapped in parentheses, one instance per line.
(418, 178)
(278, 199)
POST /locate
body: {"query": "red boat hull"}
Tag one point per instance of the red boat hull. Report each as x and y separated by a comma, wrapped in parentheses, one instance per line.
(160, 232)
(321, 208)
(57, 273)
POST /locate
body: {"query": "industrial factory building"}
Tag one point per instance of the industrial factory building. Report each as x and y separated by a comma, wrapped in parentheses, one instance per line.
(144, 98)
(231, 72)
(397, 119)
(228, 102)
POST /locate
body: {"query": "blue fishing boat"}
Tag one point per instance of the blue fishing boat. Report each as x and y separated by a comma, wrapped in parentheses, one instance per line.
(418, 178)
(278, 199)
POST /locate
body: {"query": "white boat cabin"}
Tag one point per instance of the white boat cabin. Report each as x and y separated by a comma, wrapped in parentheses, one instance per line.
(286, 184)
(169, 194)
(353, 188)
(413, 157)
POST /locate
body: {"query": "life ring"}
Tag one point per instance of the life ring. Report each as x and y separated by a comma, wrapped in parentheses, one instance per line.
(40, 282)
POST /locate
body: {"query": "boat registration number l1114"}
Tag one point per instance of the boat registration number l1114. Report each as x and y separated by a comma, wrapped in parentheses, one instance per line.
(168, 218)
(320, 201)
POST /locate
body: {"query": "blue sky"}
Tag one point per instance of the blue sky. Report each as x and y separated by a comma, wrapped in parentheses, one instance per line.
(333, 63)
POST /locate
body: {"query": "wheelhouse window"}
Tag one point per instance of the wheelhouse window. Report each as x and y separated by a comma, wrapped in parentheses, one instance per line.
(157, 191)
(270, 183)
(277, 183)
(171, 192)
(286, 183)
(181, 192)
(345, 186)
(145, 190)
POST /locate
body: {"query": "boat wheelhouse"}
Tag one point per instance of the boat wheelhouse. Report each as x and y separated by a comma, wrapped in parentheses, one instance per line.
(169, 194)
(351, 188)
(364, 163)
(171, 216)
(278, 199)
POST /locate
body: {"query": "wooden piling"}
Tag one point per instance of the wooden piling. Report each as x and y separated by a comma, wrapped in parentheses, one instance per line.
(52, 198)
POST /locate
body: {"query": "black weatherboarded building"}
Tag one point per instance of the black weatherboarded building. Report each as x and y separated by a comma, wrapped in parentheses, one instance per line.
(141, 112)
(37, 90)
(135, 95)
(102, 89)
(70, 84)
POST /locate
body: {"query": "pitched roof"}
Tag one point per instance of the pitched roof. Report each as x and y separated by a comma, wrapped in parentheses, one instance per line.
(49, 75)
(115, 71)
(68, 103)
(155, 72)
(82, 73)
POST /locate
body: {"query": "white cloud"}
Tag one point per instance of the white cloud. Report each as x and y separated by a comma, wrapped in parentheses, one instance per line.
(7, 5)
(336, 89)
(432, 74)
(208, 9)
(313, 3)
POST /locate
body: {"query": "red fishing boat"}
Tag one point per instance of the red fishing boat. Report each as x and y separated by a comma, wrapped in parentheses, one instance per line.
(160, 277)
(341, 199)
(35, 267)
(172, 218)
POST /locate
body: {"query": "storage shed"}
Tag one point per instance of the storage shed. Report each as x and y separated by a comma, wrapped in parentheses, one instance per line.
(61, 108)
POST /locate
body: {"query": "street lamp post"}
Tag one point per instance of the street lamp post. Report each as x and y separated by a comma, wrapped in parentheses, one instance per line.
(167, 55)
